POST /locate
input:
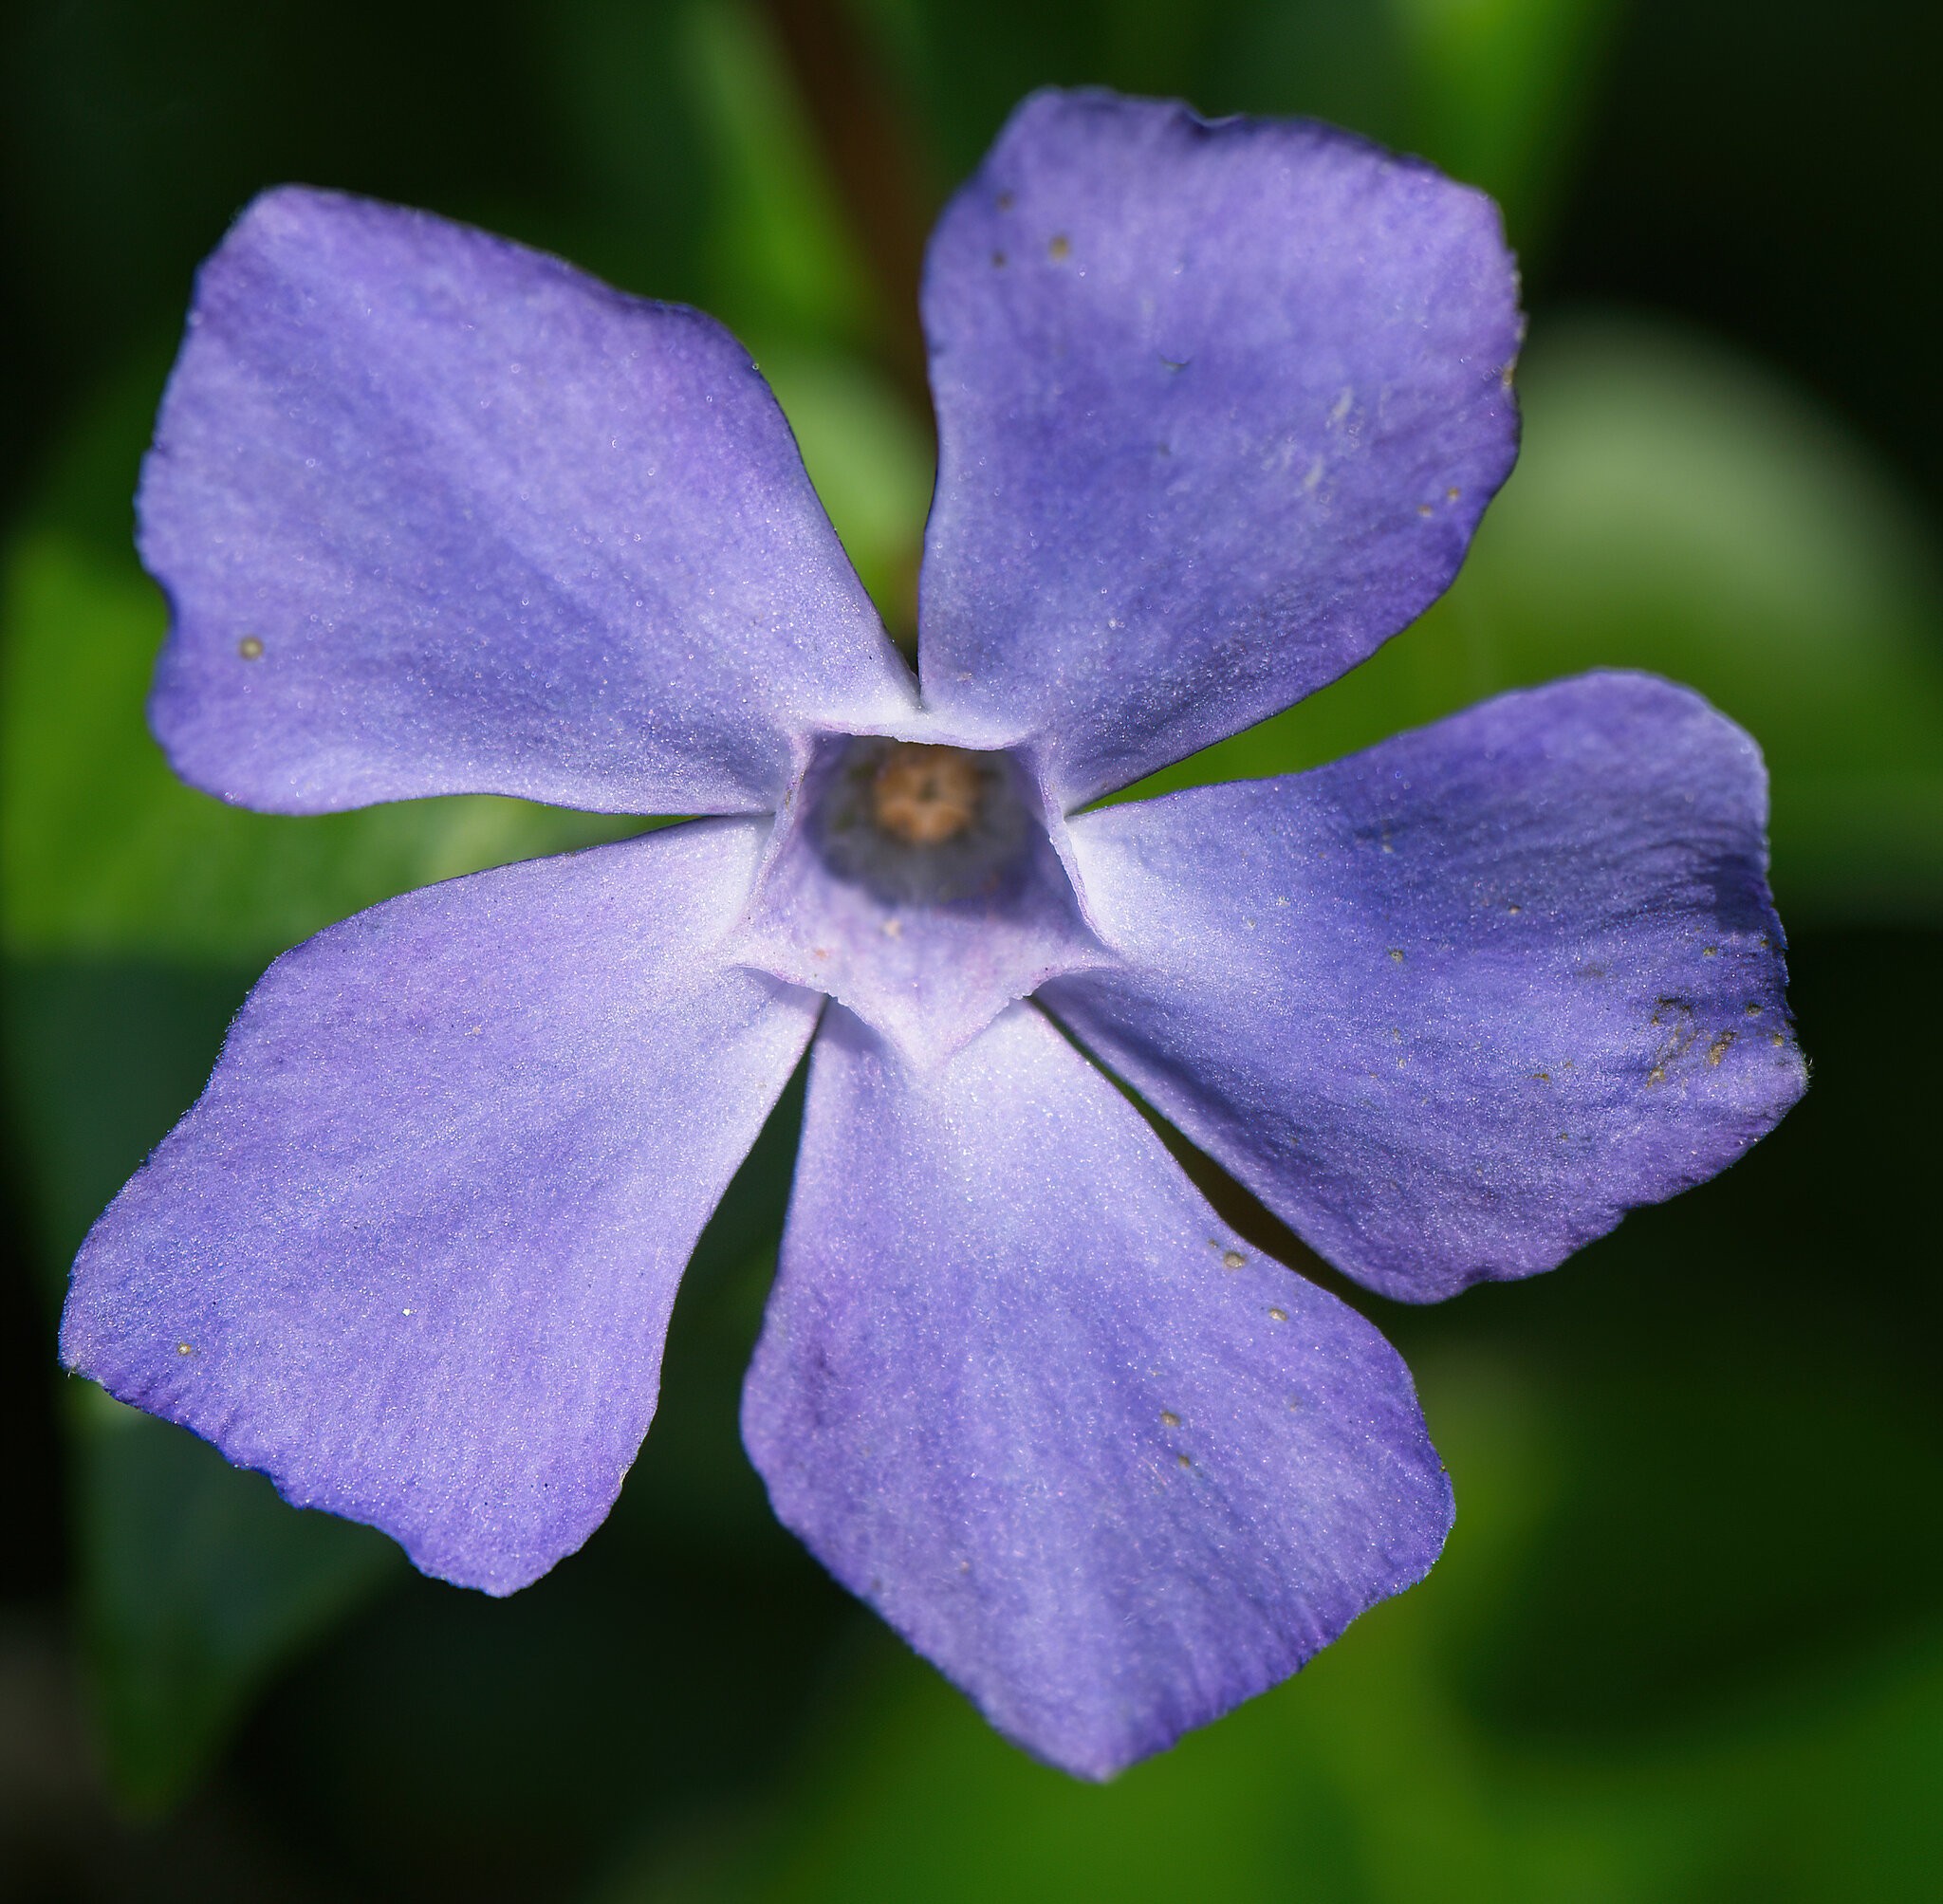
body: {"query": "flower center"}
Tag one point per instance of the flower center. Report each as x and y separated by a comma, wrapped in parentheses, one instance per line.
(925, 795)
(919, 823)
(919, 886)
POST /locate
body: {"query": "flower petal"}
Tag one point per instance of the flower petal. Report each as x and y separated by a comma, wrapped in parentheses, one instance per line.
(437, 514)
(1022, 1391)
(1452, 1007)
(1219, 406)
(413, 1252)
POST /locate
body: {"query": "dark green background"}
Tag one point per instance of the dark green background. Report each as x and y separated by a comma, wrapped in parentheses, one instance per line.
(1687, 1642)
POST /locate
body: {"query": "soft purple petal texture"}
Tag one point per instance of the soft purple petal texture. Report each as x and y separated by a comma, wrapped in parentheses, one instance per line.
(1454, 1006)
(413, 1252)
(1219, 406)
(495, 528)
(1023, 1392)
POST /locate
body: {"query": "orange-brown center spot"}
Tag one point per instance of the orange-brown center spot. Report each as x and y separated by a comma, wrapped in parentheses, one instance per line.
(924, 795)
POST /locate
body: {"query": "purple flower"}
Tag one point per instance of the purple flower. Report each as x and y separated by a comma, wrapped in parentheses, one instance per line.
(1219, 408)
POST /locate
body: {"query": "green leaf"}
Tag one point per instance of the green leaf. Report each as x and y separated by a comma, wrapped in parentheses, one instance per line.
(1501, 91)
(871, 463)
(783, 255)
(1496, 92)
(1678, 509)
(197, 1584)
(101, 1056)
(642, 193)
(1365, 1780)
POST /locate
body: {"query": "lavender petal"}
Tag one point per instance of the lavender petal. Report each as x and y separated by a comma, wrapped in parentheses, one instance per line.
(1020, 1388)
(413, 1252)
(1451, 1006)
(439, 514)
(1219, 408)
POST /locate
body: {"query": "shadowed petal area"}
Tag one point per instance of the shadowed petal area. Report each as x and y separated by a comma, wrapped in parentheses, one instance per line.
(413, 1252)
(1022, 1391)
(439, 514)
(1452, 1007)
(1219, 406)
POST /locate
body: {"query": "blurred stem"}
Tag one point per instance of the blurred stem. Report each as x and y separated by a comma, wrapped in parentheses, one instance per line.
(877, 161)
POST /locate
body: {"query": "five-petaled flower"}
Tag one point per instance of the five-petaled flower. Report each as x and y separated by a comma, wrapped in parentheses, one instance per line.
(1219, 407)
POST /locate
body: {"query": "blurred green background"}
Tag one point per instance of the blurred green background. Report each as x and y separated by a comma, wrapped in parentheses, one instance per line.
(1687, 1642)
